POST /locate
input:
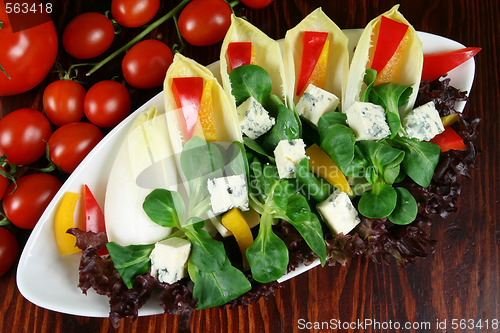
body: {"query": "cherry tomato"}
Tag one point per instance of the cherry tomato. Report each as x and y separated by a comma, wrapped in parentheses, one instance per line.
(134, 13)
(107, 103)
(26, 56)
(257, 3)
(9, 249)
(88, 35)
(25, 205)
(69, 144)
(205, 22)
(63, 102)
(23, 136)
(146, 63)
(4, 182)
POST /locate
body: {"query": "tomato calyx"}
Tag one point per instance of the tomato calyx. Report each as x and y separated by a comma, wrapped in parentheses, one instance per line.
(8, 171)
(4, 221)
(71, 73)
(51, 166)
(116, 26)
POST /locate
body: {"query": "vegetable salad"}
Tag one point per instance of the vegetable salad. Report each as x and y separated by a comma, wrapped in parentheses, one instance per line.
(282, 162)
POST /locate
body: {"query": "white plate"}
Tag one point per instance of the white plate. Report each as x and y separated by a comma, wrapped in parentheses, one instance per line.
(50, 280)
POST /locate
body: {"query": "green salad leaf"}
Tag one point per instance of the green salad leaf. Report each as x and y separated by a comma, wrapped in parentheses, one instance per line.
(166, 208)
(219, 287)
(310, 184)
(384, 158)
(299, 214)
(421, 159)
(250, 81)
(268, 254)
(277, 199)
(130, 261)
(338, 143)
(286, 127)
(391, 96)
(379, 202)
(406, 208)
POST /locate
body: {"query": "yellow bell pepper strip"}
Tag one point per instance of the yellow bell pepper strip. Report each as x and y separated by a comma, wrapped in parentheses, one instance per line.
(234, 221)
(323, 166)
(64, 220)
(450, 119)
(206, 113)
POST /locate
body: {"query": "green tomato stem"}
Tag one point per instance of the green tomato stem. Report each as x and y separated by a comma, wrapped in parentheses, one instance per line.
(176, 48)
(140, 36)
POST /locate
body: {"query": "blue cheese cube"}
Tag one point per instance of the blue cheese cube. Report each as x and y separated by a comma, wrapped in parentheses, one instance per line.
(288, 153)
(368, 121)
(315, 102)
(423, 123)
(228, 192)
(254, 119)
(339, 213)
(169, 259)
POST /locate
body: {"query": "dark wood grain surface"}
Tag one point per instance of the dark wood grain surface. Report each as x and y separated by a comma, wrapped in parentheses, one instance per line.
(461, 280)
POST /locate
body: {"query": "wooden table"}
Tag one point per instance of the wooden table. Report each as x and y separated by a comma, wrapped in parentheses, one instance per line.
(460, 281)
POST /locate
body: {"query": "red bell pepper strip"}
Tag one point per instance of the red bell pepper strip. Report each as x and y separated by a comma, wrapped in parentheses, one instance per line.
(187, 93)
(449, 139)
(437, 64)
(239, 54)
(94, 217)
(390, 35)
(312, 45)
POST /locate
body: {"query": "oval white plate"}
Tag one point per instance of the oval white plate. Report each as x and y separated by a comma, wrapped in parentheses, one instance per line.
(50, 280)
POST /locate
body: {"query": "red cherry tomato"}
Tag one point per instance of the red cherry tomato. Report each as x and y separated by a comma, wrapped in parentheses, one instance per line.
(63, 102)
(257, 3)
(23, 136)
(134, 13)
(25, 205)
(9, 249)
(4, 182)
(146, 63)
(88, 35)
(69, 144)
(26, 56)
(205, 22)
(107, 103)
